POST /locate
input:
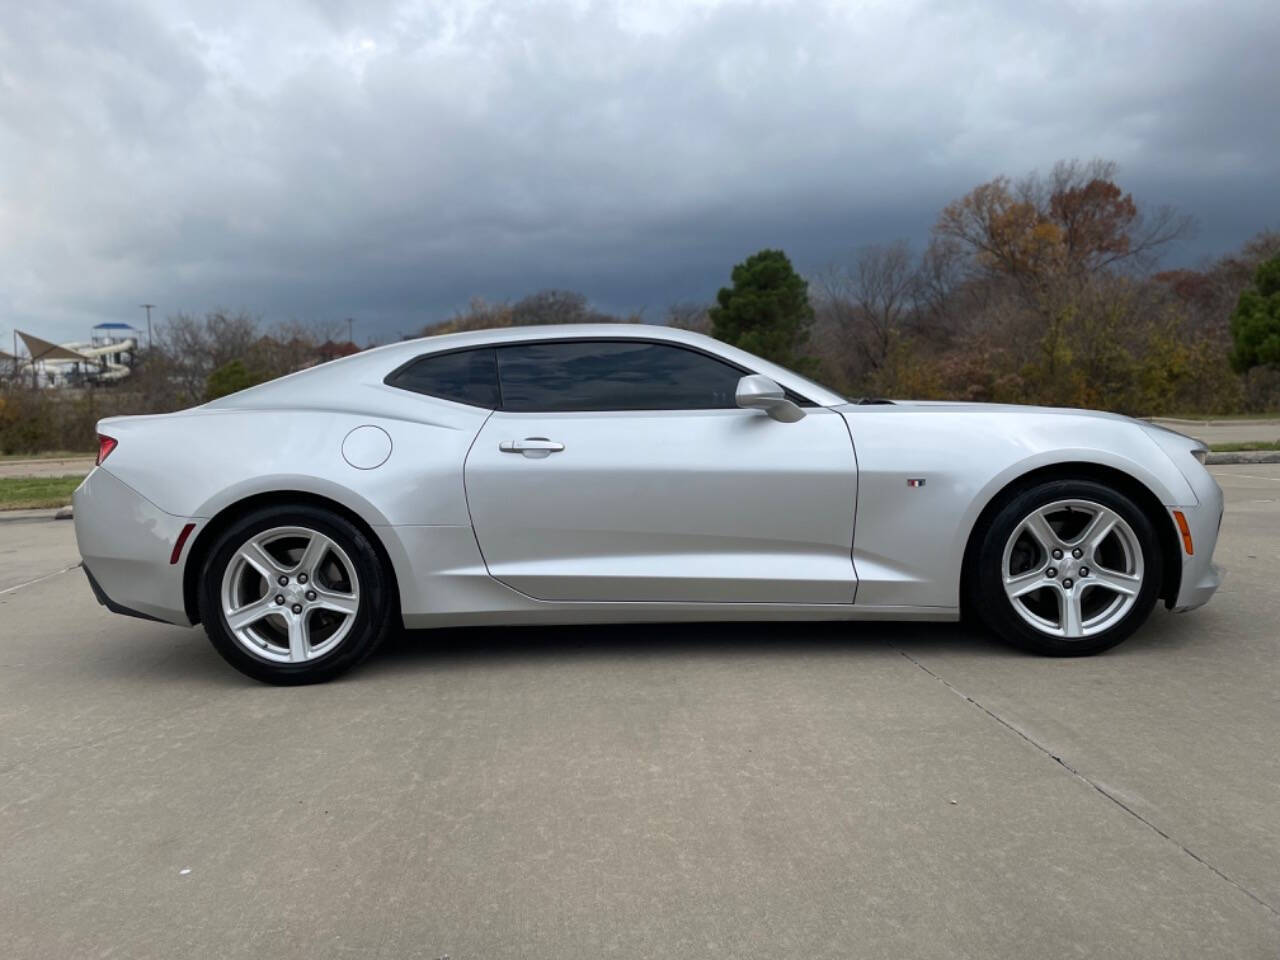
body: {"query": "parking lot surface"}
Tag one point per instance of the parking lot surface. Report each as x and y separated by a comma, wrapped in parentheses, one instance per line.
(774, 790)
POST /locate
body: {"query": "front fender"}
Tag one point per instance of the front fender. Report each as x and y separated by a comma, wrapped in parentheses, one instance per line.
(909, 539)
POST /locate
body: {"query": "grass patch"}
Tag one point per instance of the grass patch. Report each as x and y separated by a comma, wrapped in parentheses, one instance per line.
(21, 493)
(1246, 447)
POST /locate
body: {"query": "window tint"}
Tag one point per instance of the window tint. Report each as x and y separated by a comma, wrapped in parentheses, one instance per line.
(612, 375)
(467, 376)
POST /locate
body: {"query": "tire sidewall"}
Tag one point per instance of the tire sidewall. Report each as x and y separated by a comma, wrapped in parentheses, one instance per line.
(371, 620)
(997, 609)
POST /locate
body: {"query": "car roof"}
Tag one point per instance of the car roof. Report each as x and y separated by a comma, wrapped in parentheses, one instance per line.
(626, 331)
(497, 336)
(377, 362)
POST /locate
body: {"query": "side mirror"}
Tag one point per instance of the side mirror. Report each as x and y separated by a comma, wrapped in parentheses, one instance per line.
(758, 392)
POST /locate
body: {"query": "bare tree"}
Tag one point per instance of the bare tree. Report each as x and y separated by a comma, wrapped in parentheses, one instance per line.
(188, 348)
(543, 307)
(871, 300)
(556, 306)
(690, 316)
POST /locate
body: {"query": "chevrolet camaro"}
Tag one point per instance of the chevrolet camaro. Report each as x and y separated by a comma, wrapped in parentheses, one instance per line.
(621, 473)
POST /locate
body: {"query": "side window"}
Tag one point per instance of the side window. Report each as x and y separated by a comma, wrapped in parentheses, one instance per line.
(466, 376)
(612, 375)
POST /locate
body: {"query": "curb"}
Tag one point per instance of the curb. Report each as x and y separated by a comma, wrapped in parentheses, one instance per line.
(38, 513)
(1242, 456)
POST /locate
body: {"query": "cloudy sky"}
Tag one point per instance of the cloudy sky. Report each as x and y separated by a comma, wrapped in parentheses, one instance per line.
(318, 159)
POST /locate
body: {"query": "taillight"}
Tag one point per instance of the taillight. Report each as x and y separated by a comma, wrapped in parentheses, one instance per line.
(105, 446)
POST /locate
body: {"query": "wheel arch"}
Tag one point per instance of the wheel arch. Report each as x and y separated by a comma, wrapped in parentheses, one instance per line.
(210, 531)
(1131, 486)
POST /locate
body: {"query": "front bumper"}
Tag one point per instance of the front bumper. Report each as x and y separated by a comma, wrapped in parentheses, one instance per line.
(126, 543)
(1197, 594)
(1200, 575)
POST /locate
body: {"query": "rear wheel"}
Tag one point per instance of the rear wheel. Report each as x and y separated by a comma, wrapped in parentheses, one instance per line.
(1068, 568)
(294, 595)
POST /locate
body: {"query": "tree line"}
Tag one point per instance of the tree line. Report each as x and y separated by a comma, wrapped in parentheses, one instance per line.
(1045, 290)
(1042, 289)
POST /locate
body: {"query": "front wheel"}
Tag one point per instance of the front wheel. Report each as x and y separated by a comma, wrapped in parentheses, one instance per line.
(294, 595)
(1068, 568)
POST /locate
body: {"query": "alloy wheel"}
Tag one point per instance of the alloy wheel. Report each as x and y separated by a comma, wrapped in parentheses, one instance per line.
(290, 594)
(1072, 568)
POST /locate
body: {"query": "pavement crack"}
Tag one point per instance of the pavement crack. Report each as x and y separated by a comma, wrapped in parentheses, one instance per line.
(1085, 779)
(70, 747)
(48, 576)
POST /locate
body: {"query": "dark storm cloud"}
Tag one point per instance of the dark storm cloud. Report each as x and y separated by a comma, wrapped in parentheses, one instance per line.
(389, 160)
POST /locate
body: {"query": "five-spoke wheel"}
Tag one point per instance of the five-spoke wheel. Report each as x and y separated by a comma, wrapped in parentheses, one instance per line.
(1072, 568)
(1067, 567)
(294, 594)
(290, 594)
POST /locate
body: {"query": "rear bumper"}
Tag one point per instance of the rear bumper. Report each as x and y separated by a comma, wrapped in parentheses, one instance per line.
(126, 543)
(102, 598)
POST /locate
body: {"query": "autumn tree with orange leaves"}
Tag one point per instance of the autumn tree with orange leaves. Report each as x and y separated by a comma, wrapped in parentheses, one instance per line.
(1071, 245)
(1073, 224)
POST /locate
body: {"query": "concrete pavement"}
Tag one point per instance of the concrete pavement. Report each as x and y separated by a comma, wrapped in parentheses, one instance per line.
(34, 547)
(774, 790)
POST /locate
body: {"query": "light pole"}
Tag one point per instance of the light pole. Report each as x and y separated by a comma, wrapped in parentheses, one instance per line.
(147, 307)
(350, 323)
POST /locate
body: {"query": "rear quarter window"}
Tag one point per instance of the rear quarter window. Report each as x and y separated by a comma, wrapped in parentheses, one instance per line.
(463, 376)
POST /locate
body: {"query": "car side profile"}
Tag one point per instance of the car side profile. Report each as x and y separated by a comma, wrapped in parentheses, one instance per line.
(617, 473)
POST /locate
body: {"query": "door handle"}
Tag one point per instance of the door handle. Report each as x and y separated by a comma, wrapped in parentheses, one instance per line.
(533, 447)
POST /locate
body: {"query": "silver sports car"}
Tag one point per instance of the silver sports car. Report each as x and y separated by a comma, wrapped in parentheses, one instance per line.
(592, 474)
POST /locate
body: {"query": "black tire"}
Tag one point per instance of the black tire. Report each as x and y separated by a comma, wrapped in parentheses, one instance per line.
(992, 602)
(371, 623)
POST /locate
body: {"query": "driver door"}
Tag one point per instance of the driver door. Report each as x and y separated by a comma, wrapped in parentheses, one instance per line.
(619, 470)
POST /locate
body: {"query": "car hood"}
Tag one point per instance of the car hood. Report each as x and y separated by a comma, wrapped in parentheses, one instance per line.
(1161, 434)
(993, 409)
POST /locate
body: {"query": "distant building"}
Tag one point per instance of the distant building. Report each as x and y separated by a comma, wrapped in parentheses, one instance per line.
(107, 356)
